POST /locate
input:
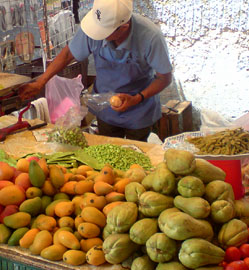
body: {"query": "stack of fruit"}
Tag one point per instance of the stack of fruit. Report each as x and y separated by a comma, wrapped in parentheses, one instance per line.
(183, 215)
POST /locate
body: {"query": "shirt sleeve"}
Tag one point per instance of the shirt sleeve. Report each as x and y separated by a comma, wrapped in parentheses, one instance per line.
(158, 55)
(80, 46)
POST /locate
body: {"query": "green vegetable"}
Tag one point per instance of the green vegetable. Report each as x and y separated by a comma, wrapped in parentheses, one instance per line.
(117, 156)
(73, 136)
(6, 158)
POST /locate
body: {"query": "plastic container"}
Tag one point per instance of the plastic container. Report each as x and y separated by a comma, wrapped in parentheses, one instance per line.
(6, 264)
(232, 168)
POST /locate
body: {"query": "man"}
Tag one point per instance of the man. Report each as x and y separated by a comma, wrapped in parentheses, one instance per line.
(131, 59)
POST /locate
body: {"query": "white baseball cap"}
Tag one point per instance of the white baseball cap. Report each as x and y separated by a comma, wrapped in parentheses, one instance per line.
(105, 17)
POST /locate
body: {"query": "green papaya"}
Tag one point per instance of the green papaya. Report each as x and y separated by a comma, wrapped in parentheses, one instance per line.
(16, 236)
(5, 234)
(36, 174)
(31, 206)
(17, 220)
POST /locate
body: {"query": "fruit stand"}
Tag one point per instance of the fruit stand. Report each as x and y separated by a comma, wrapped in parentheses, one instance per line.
(107, 218)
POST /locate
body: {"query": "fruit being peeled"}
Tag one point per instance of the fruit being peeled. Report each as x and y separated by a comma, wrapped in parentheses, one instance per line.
(115, 101)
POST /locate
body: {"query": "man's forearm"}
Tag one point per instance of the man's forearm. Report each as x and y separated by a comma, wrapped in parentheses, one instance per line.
(58, 64)
(157, 85)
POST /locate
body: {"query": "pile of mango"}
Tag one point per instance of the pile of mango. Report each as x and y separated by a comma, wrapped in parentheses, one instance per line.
(182, 215)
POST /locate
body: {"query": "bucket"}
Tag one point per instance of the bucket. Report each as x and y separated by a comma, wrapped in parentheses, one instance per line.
(232, 168)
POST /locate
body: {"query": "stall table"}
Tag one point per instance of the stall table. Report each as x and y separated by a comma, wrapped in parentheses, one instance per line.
(24, 142)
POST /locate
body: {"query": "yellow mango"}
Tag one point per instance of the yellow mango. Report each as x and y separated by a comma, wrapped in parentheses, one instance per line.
(56, 176)
(66, 222)
(28, 238)
(87, 244)
(55, 235)
(33, 192)
(44, 222)
(93, 215)
(88, 230)
(63, 209)
(42, 240)
(68, 240)
(74, 257)
(84, 186)
(48, 188)
(53, 252)
(95, 256)
(17, 220)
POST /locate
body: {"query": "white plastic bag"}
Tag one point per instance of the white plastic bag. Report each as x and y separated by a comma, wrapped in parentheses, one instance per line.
(62, 94)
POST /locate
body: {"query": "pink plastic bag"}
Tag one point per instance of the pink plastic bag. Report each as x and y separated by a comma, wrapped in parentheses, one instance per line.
(62, 94)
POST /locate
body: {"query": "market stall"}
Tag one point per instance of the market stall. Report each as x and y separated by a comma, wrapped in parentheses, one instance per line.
(229, 222)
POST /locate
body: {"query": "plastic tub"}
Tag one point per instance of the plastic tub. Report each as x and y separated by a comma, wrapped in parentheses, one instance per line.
(232, 168)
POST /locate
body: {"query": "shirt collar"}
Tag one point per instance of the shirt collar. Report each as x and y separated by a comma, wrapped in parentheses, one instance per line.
(126, 44)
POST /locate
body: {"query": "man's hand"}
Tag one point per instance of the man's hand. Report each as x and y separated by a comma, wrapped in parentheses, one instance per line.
(29, 90)
(127, 102)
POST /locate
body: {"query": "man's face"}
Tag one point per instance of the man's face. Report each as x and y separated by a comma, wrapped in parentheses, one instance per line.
(119, 32)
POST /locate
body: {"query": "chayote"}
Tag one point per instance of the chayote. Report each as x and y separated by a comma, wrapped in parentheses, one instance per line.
(222, 211)
(151, 203)
(143, 263)
(207, 172)
(196, 207)
(161, 248)
(179, 161)
(164, 181)
(233, 233)
(142, 230)
(171, 266)
(191, 186)
(118, 247)
(182, 226)
(219, 190)
(121, 217)
(242, 210)
(197, 252)
(133, 191)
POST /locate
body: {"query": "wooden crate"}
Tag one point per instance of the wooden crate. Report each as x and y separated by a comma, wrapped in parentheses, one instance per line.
(173, 123)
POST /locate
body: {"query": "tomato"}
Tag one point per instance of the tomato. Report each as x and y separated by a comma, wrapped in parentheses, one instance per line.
(244, 250)
(237, 265)
(232, 254)
(246, 260)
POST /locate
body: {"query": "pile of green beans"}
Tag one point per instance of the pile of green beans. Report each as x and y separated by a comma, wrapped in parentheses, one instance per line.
(118, 157)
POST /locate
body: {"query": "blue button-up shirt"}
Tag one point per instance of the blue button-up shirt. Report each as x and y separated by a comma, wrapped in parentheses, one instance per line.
(128, 68)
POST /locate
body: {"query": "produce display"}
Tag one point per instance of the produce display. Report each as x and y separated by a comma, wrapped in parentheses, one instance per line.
(72, 136)
(180, 215)
(227, 142)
